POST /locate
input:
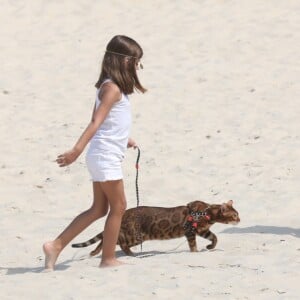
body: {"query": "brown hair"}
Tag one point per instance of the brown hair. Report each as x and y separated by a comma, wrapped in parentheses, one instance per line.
(119, 64)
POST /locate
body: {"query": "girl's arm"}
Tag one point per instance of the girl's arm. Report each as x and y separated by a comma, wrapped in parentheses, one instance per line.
(110, 94)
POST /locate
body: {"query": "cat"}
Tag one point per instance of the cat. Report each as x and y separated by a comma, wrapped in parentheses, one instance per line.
(144, 223)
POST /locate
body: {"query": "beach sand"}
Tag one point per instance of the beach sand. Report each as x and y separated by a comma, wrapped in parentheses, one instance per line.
(220, 121)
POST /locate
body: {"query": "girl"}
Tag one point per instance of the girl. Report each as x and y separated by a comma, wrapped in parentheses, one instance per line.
(108, 133)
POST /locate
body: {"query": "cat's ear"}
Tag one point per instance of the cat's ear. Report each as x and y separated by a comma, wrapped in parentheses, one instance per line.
(230, 202)
(225, 206)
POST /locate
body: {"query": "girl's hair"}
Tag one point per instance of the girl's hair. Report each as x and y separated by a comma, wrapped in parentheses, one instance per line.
(119, 64)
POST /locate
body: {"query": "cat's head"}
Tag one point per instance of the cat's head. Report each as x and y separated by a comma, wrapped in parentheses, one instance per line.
(224, 213)
(228, 214)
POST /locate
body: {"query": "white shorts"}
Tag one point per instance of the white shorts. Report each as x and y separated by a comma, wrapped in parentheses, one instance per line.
(104, 167)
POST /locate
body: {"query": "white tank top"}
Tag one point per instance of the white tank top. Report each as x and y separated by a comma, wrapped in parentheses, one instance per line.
(111, 138)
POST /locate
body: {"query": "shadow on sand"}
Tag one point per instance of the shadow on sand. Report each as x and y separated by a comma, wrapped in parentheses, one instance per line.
(21, 270)
(261, 229)
(265, 230)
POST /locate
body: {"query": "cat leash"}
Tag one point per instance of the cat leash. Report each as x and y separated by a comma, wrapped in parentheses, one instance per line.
(138, 215)
(137, 177)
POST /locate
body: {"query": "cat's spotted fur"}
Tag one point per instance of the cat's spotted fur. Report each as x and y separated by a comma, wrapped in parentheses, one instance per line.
(160, 223)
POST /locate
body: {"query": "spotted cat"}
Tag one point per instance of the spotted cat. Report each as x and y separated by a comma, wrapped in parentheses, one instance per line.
(160, 223)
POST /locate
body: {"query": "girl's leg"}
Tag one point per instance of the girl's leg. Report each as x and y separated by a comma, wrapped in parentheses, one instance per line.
(114, 192)
(98, 209)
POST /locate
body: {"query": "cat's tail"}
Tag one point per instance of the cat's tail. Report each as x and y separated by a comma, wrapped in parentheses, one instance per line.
(91, 241)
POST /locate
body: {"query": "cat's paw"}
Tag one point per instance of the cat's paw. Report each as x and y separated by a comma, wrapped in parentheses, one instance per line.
(210, 246)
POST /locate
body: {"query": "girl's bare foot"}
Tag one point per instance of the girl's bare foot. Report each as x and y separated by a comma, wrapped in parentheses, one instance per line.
(51, 254)
(110, 263)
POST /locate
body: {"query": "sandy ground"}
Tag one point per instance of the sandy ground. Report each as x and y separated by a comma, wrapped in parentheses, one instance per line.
(220, 122)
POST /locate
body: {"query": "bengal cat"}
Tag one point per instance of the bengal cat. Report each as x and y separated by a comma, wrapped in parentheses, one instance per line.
(160, 223)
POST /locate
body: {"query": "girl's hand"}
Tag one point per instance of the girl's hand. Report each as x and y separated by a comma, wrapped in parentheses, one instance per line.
(67, 158)
(131, 143)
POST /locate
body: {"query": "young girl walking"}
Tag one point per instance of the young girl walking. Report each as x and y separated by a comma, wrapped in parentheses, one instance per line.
(108, 134)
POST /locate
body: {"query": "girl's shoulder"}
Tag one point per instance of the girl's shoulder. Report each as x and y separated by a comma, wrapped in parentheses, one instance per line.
(108, 87)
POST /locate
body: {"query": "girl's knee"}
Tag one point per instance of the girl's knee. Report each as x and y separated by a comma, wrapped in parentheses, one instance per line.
(96, 213)
(119, 206)
(101, 214)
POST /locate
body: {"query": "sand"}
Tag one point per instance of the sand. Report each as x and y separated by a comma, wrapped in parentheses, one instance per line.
(220, 122)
